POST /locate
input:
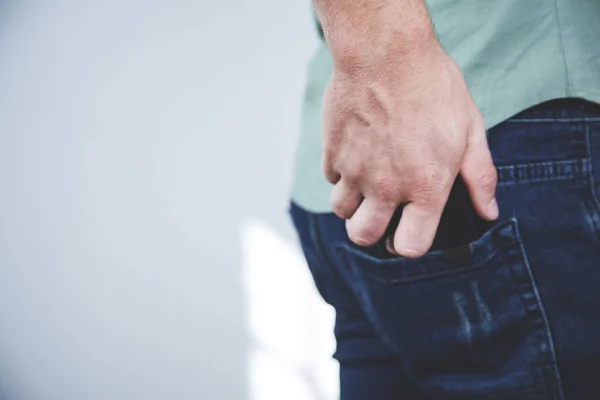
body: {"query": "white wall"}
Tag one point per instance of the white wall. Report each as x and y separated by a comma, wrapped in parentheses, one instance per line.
(145, 155)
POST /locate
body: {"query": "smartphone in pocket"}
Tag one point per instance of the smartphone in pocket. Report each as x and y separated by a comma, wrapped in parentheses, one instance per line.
(459, 225)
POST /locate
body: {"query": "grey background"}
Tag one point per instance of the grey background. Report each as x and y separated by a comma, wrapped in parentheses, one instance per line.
(136, 137)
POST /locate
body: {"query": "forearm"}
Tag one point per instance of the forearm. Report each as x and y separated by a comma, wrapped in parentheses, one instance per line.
(363, 31)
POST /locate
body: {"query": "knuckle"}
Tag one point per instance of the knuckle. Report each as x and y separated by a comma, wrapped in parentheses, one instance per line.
(437, 175)
(353, 173)
(342, 213)
(330, 175)
(385, 187)
(341, 208)
(431, 182)
(344, 199)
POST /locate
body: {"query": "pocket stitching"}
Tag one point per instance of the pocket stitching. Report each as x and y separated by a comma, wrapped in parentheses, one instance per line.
(424, 277)
(549, 384)
(569, 169)
(542, 311)
(594, 207)
(350, 251)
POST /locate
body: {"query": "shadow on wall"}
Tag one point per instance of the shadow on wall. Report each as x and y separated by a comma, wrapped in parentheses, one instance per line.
(145, 249)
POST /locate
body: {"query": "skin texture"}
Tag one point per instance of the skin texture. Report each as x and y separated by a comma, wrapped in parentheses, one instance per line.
(399, 124)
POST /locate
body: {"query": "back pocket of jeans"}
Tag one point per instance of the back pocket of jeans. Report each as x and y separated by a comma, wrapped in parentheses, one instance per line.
(469, 322)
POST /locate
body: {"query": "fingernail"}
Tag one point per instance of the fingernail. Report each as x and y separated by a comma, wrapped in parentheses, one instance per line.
(409, 253)
(493, 210)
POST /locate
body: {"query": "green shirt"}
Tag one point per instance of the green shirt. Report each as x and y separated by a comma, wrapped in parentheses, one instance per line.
(513, 53)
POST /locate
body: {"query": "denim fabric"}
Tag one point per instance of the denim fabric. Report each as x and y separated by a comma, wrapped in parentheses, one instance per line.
(514, 316)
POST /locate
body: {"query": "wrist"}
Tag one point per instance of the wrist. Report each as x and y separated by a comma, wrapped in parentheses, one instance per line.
(397, 58)
(388, 48)
(362, 34)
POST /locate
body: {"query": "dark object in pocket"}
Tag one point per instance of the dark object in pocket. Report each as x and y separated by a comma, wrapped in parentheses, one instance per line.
(460, 224)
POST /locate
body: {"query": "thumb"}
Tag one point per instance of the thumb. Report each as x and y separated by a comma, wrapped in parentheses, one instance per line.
(480, 177)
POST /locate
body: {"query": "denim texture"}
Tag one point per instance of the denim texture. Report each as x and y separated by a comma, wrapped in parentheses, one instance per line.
(513, 315)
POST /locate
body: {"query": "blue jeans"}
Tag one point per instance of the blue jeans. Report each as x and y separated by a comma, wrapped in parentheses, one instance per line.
(517, 316)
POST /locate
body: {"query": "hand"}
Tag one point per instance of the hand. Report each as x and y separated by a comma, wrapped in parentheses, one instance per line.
(398, 131)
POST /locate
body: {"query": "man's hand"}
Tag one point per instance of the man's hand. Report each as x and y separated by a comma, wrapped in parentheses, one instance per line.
(399, 124)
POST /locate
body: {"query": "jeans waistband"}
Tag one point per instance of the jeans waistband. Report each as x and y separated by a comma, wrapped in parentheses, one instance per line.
(553, 131)
(565, 108)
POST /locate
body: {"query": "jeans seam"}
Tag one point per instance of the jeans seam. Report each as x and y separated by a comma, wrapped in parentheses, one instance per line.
(595, 211)
(542, 309)
(315, 237)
